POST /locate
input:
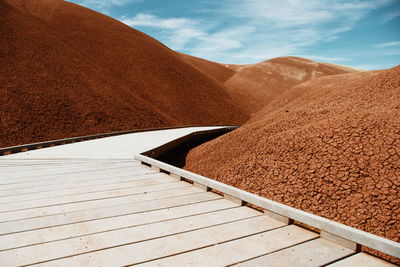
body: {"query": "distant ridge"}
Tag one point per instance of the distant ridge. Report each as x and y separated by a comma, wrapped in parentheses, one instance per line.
(255, 85)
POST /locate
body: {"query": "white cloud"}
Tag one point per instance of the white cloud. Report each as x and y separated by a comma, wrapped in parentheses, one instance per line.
(374, 66)
(289, 27)
(179, 30)
(283, 13)
(391, 16)
(102, 5)
(254, 30)
(295, 13)
(326, 59)
(224, 40)
(153, 21)
(388, 44)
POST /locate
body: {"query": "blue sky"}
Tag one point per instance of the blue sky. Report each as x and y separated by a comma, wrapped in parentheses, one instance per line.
(359, 33)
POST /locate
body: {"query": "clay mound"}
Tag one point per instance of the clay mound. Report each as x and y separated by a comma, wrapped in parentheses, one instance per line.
(330, 146)
(256, 85)
(343, 67)
(219, 72)
(260, 83)
(68, 71)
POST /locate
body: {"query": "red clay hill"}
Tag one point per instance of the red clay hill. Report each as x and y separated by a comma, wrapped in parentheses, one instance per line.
(255, 85)
(330, 146)
(69, 71)
(325, 139)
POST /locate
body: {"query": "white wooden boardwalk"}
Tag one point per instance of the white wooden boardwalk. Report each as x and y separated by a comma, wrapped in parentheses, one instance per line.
(92, 204)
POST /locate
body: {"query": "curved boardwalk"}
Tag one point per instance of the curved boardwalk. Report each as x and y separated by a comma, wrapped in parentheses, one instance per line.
(92, 204)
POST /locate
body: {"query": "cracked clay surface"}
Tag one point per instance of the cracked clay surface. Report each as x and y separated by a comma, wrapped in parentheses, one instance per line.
(329, 146)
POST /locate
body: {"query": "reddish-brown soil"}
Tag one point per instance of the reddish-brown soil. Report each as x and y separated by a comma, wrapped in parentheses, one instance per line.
(69, 71)
(217, 71)
(330, 146)
(255, 85)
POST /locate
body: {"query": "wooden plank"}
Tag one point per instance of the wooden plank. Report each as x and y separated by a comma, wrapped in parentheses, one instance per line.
(175, 176)
(219, 228)
(14, 175)
(181, 189)
(340, 241)
(77, 178)
(20, 170)
(140, 203)
(163, 178)
(278, 217)
(187, 206)
(70, 174)
(57, 166)
(155, 168)
(71, 178)
(75, 184)
(83, 244)
(202, 187)
(369, 240)
(60, 165)
(31, 204)
(361, 259)
(313, 253)
(28, 160)
(234, 199)
(240, 249)
(62, 162)
(26, 172)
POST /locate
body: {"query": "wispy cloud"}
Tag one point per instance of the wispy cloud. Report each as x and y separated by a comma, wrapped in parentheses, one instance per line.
(103, 5)
(325, 58)
(294, 13)
(196, 35)
(391, 16)
(153, 21)
(262, 29)
(247, 31)
(388, 44)
(374, 66)
(177, 31)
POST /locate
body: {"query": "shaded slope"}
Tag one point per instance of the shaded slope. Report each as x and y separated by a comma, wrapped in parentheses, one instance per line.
(330, 146)
(217, 71)
(67, 71)
(255, 85)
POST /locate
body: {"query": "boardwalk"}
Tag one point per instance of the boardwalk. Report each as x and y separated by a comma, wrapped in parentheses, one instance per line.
(92, 204)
